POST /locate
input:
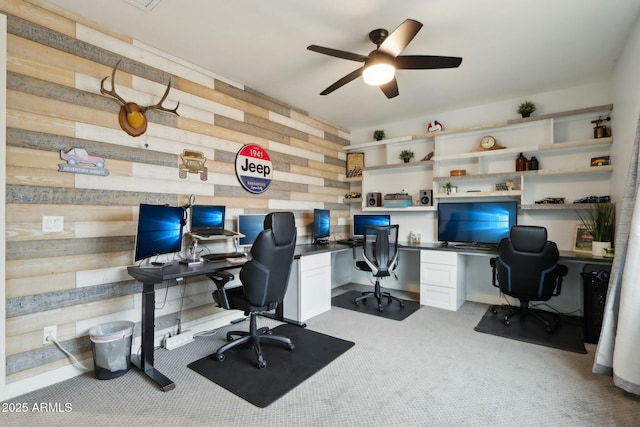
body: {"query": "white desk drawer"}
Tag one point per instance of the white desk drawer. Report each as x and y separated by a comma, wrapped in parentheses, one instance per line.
(437, 296)
(439, 257)
(438, 274)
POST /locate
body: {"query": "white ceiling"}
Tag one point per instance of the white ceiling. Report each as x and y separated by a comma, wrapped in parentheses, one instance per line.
(510, 48)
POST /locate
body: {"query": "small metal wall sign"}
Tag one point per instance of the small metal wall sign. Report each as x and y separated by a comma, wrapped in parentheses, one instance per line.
(254, 168)
(79, 161)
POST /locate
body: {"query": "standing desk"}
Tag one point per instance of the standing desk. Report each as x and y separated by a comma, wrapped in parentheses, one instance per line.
(149, 278)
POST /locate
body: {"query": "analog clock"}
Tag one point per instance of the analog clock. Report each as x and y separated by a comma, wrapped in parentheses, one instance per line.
(488, 143)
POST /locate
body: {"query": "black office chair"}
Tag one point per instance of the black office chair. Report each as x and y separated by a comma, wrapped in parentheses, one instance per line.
(527, 268)
(264, 282)
(380, 253)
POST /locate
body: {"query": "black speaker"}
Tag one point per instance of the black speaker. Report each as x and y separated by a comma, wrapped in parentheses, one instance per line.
(374, 199)
(426, 197)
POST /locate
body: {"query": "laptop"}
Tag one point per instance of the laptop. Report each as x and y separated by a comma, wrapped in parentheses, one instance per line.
(208, 221)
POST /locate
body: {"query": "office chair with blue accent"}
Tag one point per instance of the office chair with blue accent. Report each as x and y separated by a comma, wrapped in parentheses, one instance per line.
(380, 253)
(527, 268)
(264, 278)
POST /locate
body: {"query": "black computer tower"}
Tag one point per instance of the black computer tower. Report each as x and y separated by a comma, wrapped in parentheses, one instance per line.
(595, 285)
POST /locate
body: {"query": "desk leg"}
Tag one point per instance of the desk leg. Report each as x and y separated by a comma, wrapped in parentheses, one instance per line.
(145, 362)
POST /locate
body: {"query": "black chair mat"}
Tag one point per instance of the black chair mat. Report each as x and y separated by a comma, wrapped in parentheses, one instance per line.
(285, 370)
(566, 336)
(391, 310)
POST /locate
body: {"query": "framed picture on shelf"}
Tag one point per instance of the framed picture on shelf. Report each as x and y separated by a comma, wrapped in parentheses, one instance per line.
(582, 239)
(355, 164)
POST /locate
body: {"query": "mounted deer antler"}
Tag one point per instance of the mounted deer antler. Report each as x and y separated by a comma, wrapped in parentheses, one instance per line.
(132, 117)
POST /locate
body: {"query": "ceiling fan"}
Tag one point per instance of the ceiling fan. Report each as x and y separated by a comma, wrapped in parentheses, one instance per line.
(380, 65)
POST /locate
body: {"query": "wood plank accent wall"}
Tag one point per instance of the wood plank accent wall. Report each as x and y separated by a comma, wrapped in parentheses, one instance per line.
(77, 278)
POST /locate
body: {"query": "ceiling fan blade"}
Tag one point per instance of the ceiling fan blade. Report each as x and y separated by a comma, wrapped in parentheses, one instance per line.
(400, 37)
(337, 53)
(390, 89)
(343, 81)
(425, 62)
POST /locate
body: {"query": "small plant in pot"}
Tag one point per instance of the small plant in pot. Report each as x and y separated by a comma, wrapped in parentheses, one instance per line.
(378, 135)
(526, 108)
(448, 188)
(406, 155)
(600, 222)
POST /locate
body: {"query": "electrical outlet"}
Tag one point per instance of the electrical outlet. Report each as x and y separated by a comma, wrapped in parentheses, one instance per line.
(52, 224)
(49, 332)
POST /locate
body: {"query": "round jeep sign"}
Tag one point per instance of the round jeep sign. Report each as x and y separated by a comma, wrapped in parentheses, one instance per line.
(253, 168)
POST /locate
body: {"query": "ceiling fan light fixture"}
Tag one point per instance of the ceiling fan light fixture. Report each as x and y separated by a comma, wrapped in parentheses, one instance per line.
(378, 74)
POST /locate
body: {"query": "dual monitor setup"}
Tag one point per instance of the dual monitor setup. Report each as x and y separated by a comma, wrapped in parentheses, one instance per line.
(160, 227)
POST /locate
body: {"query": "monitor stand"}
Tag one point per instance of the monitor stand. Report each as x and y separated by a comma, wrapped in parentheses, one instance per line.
(321, 241)
(194, 259)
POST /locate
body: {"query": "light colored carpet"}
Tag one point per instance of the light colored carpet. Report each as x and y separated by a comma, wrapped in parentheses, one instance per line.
(430, 369)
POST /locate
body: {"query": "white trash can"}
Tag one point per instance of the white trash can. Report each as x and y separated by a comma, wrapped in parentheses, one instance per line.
(111, 345)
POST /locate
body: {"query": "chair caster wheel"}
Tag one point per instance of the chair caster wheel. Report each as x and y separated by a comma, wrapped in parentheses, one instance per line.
(220, 357)
(230, 338)
(401, 305)
(292, 347)
(262, 364)
(380, 309)
(507, 322)
(494, 311)
(357, 302)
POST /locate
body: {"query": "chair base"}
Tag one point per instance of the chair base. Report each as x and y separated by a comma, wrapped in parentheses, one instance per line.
(254, 336)
(378, 295)
(525, 311)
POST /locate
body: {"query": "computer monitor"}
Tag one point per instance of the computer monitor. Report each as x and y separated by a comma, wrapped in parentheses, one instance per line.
(159, 231)
(477, 223)
(250, 225)
(321, 225)
(360, 221)
(207, 217)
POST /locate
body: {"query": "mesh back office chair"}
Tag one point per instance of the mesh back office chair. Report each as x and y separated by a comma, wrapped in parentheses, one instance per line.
(527, 268)
(264, 282)
(380, 253)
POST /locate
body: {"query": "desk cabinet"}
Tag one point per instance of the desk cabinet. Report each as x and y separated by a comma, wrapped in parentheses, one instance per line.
(309, 291)
(442, 279)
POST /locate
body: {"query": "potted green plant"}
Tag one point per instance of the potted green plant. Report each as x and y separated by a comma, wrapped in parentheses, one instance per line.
(448, 188)
(406, 155)
(600, 223)
(526, 108)
(378, 135)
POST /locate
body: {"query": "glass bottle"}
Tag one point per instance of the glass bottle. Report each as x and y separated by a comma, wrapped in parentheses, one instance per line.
(532, 165)
(521, 163)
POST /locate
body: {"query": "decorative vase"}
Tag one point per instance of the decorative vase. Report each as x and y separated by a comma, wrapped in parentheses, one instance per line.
(525, 115)
(406, 160)
(597, 248)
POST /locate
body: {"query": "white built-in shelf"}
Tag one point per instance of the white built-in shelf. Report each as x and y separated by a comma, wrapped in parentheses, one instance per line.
(559, 206)
(541, 172)
(495, 193)
(405, 209)
(403, 166)
(486, 127)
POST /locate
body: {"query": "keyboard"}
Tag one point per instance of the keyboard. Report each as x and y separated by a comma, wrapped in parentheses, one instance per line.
(351, 241)
(223, 255)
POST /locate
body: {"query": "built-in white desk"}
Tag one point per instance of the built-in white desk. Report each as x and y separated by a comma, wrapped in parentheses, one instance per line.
(444, 276)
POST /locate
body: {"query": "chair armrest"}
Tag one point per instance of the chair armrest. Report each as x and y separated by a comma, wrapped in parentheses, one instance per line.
(221, 278)
(562, 271)
(492, 262)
